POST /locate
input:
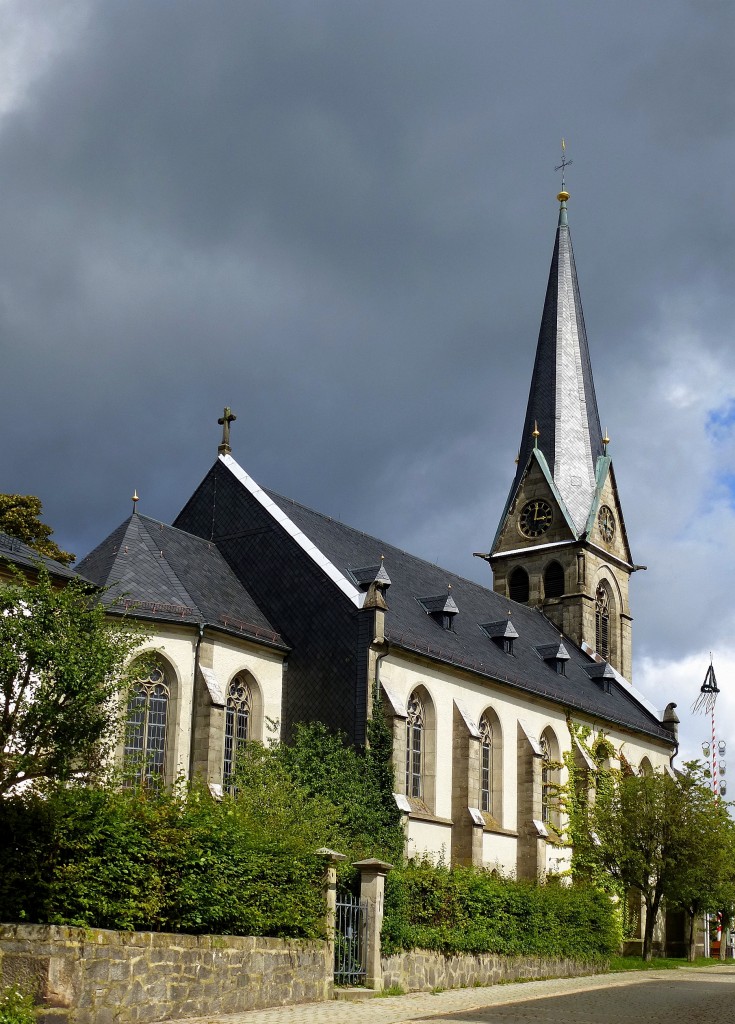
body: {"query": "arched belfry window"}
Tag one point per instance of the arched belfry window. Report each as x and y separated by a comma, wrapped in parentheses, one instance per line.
(146, 725)
(415, 729)
(486, 764)
(602, 621)
(518, 586)
(238, 714)
(553, 580)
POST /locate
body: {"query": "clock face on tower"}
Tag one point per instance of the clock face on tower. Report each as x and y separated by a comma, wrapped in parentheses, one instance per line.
(535, 518)
(606, 522)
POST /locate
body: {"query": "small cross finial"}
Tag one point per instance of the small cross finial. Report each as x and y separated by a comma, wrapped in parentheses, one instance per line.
(563, 195)
(135, 499)
(225, 421)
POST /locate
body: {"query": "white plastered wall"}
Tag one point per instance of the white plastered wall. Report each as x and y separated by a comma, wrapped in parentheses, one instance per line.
(402, 675)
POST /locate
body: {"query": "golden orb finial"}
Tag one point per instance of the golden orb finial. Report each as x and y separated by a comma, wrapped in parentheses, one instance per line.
(135, 499)
(605, 442)
(562, 196)
(535, 434)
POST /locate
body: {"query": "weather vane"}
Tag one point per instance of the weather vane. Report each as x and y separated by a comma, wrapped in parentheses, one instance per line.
(564, 163)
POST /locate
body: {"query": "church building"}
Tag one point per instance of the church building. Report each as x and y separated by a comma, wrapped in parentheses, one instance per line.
(264, 613)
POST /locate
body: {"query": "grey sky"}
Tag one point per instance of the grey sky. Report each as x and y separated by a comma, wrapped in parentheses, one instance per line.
(337, 217)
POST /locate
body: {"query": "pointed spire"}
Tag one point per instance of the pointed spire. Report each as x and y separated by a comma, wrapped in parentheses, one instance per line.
(562, 420)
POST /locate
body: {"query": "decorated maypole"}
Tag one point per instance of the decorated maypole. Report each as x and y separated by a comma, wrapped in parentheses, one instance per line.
(715, 754)
(712, 750)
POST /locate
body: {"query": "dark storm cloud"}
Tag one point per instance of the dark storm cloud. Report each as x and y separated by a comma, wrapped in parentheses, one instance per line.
(337, 217)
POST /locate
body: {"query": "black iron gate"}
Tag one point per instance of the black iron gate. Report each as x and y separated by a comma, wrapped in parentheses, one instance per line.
(350, 940)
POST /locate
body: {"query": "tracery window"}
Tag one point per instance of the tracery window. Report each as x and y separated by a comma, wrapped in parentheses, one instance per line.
(486, 765)
(146, 726)
(415, 726)
(545, 779)
(237, 724)
(602, 621)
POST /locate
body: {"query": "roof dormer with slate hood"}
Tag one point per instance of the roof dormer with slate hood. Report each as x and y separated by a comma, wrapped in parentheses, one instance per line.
(561, 543)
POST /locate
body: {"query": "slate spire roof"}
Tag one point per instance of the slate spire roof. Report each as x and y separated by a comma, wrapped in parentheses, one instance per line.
(562, 397)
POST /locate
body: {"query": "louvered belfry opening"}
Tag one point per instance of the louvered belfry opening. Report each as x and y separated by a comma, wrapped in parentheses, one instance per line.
(518, 586)
(602, 622)
(554, 580)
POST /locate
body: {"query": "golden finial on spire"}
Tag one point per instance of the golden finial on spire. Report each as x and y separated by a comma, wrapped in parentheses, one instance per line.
(535, 434)
(518, 457)
(135, 499)
(605, 442)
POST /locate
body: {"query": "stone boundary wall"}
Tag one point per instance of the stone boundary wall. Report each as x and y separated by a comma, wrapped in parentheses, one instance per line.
(94, 976)
(422, 970)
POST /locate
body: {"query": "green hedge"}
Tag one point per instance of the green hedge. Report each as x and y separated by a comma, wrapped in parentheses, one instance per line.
(465, 910)
(169, 861)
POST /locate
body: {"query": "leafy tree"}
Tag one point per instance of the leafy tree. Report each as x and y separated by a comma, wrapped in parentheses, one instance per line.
(649, 834)
(62, 679)
(357, 782)
(20, 517)
(705, 879)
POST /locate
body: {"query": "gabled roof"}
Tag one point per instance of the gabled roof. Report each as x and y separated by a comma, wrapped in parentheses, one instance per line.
(15, 552)
(467, 645)
(160, 573)
(562, 396)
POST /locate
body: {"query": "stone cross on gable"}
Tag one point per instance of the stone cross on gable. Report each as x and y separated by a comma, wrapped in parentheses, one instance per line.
(224, 422)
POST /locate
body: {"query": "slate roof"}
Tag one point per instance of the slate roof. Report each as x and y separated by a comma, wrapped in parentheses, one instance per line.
(467, 645)
(16, 552)
(164, 574)
(562, 396)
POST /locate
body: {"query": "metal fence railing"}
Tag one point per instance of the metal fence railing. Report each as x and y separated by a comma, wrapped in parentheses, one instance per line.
(350, 940)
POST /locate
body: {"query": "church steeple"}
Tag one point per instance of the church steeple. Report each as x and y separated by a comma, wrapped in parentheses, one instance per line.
(561, 542)
(562, 398)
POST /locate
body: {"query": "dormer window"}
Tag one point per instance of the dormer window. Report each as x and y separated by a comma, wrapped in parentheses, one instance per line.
(556, 656)
(369, 574)
(502, 633)
(442, 609)
(603, 674)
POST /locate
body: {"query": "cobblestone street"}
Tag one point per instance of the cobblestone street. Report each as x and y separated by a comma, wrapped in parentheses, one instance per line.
(655, 997)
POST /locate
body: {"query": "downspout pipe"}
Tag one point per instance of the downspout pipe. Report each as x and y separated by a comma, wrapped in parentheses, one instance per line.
(200, 637)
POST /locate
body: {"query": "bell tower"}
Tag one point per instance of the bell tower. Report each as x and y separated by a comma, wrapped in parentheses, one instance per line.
(561, 544)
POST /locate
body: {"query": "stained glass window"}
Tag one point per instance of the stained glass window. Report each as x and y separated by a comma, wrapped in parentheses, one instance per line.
(415, 724)
(146, 726)
(237, 724)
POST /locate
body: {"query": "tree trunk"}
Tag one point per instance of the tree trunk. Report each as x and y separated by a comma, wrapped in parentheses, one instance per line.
(651, 915)
(691, 937)
(723, 939)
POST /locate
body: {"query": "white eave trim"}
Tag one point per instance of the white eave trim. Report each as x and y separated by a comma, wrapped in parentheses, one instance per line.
(610, 556)
(274, 510)
(535, 547)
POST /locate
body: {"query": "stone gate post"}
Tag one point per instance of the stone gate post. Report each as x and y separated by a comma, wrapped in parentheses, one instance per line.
(372, 890)
(331, 859)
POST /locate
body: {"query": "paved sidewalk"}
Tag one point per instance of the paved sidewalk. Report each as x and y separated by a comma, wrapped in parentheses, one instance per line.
(424, 1007)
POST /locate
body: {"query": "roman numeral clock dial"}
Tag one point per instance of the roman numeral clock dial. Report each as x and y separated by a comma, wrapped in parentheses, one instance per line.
(535, 518)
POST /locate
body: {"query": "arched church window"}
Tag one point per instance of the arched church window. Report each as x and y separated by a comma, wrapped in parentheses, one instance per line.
(602, 621)
(486, 765)
(553, 580)
(237, 724)
(415, 725)
(545, 778)
(146, 726)
(550, 778)
(518, 586)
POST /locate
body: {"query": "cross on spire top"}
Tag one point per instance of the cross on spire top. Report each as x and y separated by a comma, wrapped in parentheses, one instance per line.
(225, 421)
(563, 167)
